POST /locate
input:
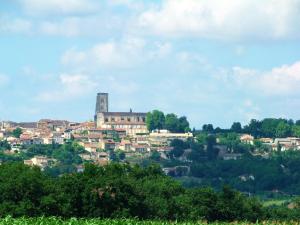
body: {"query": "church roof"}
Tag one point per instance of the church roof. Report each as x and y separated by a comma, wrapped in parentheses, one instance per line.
(124, 114)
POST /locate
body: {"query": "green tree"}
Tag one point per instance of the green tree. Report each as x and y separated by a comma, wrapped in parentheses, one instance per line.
(155, 155)
(296, 130)
(269, 125)
(21, 190)
(155, 120)
(209, 128)
(197, 153)
(212, 152)
(236, 127)
(253, 128)
(17, 132)
(183, 125)
(171, 123)
(201, 138)
(178, 147)
(4, 145)
(283, 129)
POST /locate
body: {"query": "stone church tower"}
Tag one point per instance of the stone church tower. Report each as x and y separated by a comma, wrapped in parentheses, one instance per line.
(130, 122)
(101, 104)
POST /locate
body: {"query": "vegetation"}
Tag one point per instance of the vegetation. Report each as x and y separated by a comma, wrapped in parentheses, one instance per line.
(4, 145)
(117, 191)
(158, 120)
(76, 221)
(66, 156)
(269, 127)
(123, 191)
(257, 174)
(17, 132)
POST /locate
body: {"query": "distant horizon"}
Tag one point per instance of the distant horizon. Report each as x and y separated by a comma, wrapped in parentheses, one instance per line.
(197, 128)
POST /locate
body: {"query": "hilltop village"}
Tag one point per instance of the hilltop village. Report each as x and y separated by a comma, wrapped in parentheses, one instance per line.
(124, 132)
(128, 137)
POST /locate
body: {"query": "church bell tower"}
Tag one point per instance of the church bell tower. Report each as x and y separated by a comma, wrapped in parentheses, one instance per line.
(101, 104)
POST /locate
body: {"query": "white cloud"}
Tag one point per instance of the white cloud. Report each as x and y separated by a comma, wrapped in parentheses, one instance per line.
(67, 27)
(15, 25)
(225, 19)
(161, 50)
(126, 53)
(282, 80)
(130, 4)
(76, 26)
(75, 82)
(249, 110)
(279, 81)
(73, 57)
(58, 7)
(69, 86)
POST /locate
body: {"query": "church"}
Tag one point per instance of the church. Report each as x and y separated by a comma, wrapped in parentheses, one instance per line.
(132, 122)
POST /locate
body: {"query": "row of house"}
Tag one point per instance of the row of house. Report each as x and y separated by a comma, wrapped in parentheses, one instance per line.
(289, 143)
(145, 142)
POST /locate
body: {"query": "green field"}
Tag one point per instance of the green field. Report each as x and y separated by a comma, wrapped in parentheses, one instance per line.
(275, 202)
(74, 221)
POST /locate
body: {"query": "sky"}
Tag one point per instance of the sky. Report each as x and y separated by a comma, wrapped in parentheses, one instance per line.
(214, 61)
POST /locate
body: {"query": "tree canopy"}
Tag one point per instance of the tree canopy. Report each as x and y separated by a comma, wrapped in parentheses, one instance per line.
(17, 132)
(116, 191)
(158, 120)
(268, 127)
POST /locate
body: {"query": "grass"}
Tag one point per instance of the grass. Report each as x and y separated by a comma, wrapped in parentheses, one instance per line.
(74, 221)
(275, 202)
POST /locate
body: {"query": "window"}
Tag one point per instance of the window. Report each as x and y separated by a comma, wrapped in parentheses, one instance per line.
(122, 119)
(112, 119)
(138, 119)
(144, 119)
(128, 119)
(106, 119)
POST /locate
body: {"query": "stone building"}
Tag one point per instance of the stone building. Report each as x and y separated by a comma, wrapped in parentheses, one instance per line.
(131, 122)
(45, 124)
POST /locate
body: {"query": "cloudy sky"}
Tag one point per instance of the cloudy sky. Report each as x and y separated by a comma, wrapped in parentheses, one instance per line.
(215, 61)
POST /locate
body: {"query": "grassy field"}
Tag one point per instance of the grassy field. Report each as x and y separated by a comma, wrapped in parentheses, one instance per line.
(57, 221)
(275, 202)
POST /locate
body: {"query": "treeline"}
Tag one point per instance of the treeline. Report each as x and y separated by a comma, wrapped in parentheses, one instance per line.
(117, 191)
(269, 127)
(255, 175)
(158, 120)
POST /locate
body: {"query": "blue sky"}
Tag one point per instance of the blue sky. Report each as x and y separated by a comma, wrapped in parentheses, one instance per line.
(216, 61)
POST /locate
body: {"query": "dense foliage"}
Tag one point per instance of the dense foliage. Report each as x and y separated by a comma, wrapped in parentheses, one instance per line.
(77, 221)
(4, 145)
(253, 172)
(268, 127)
(158, 120)
(65, 156)
(117, 191)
